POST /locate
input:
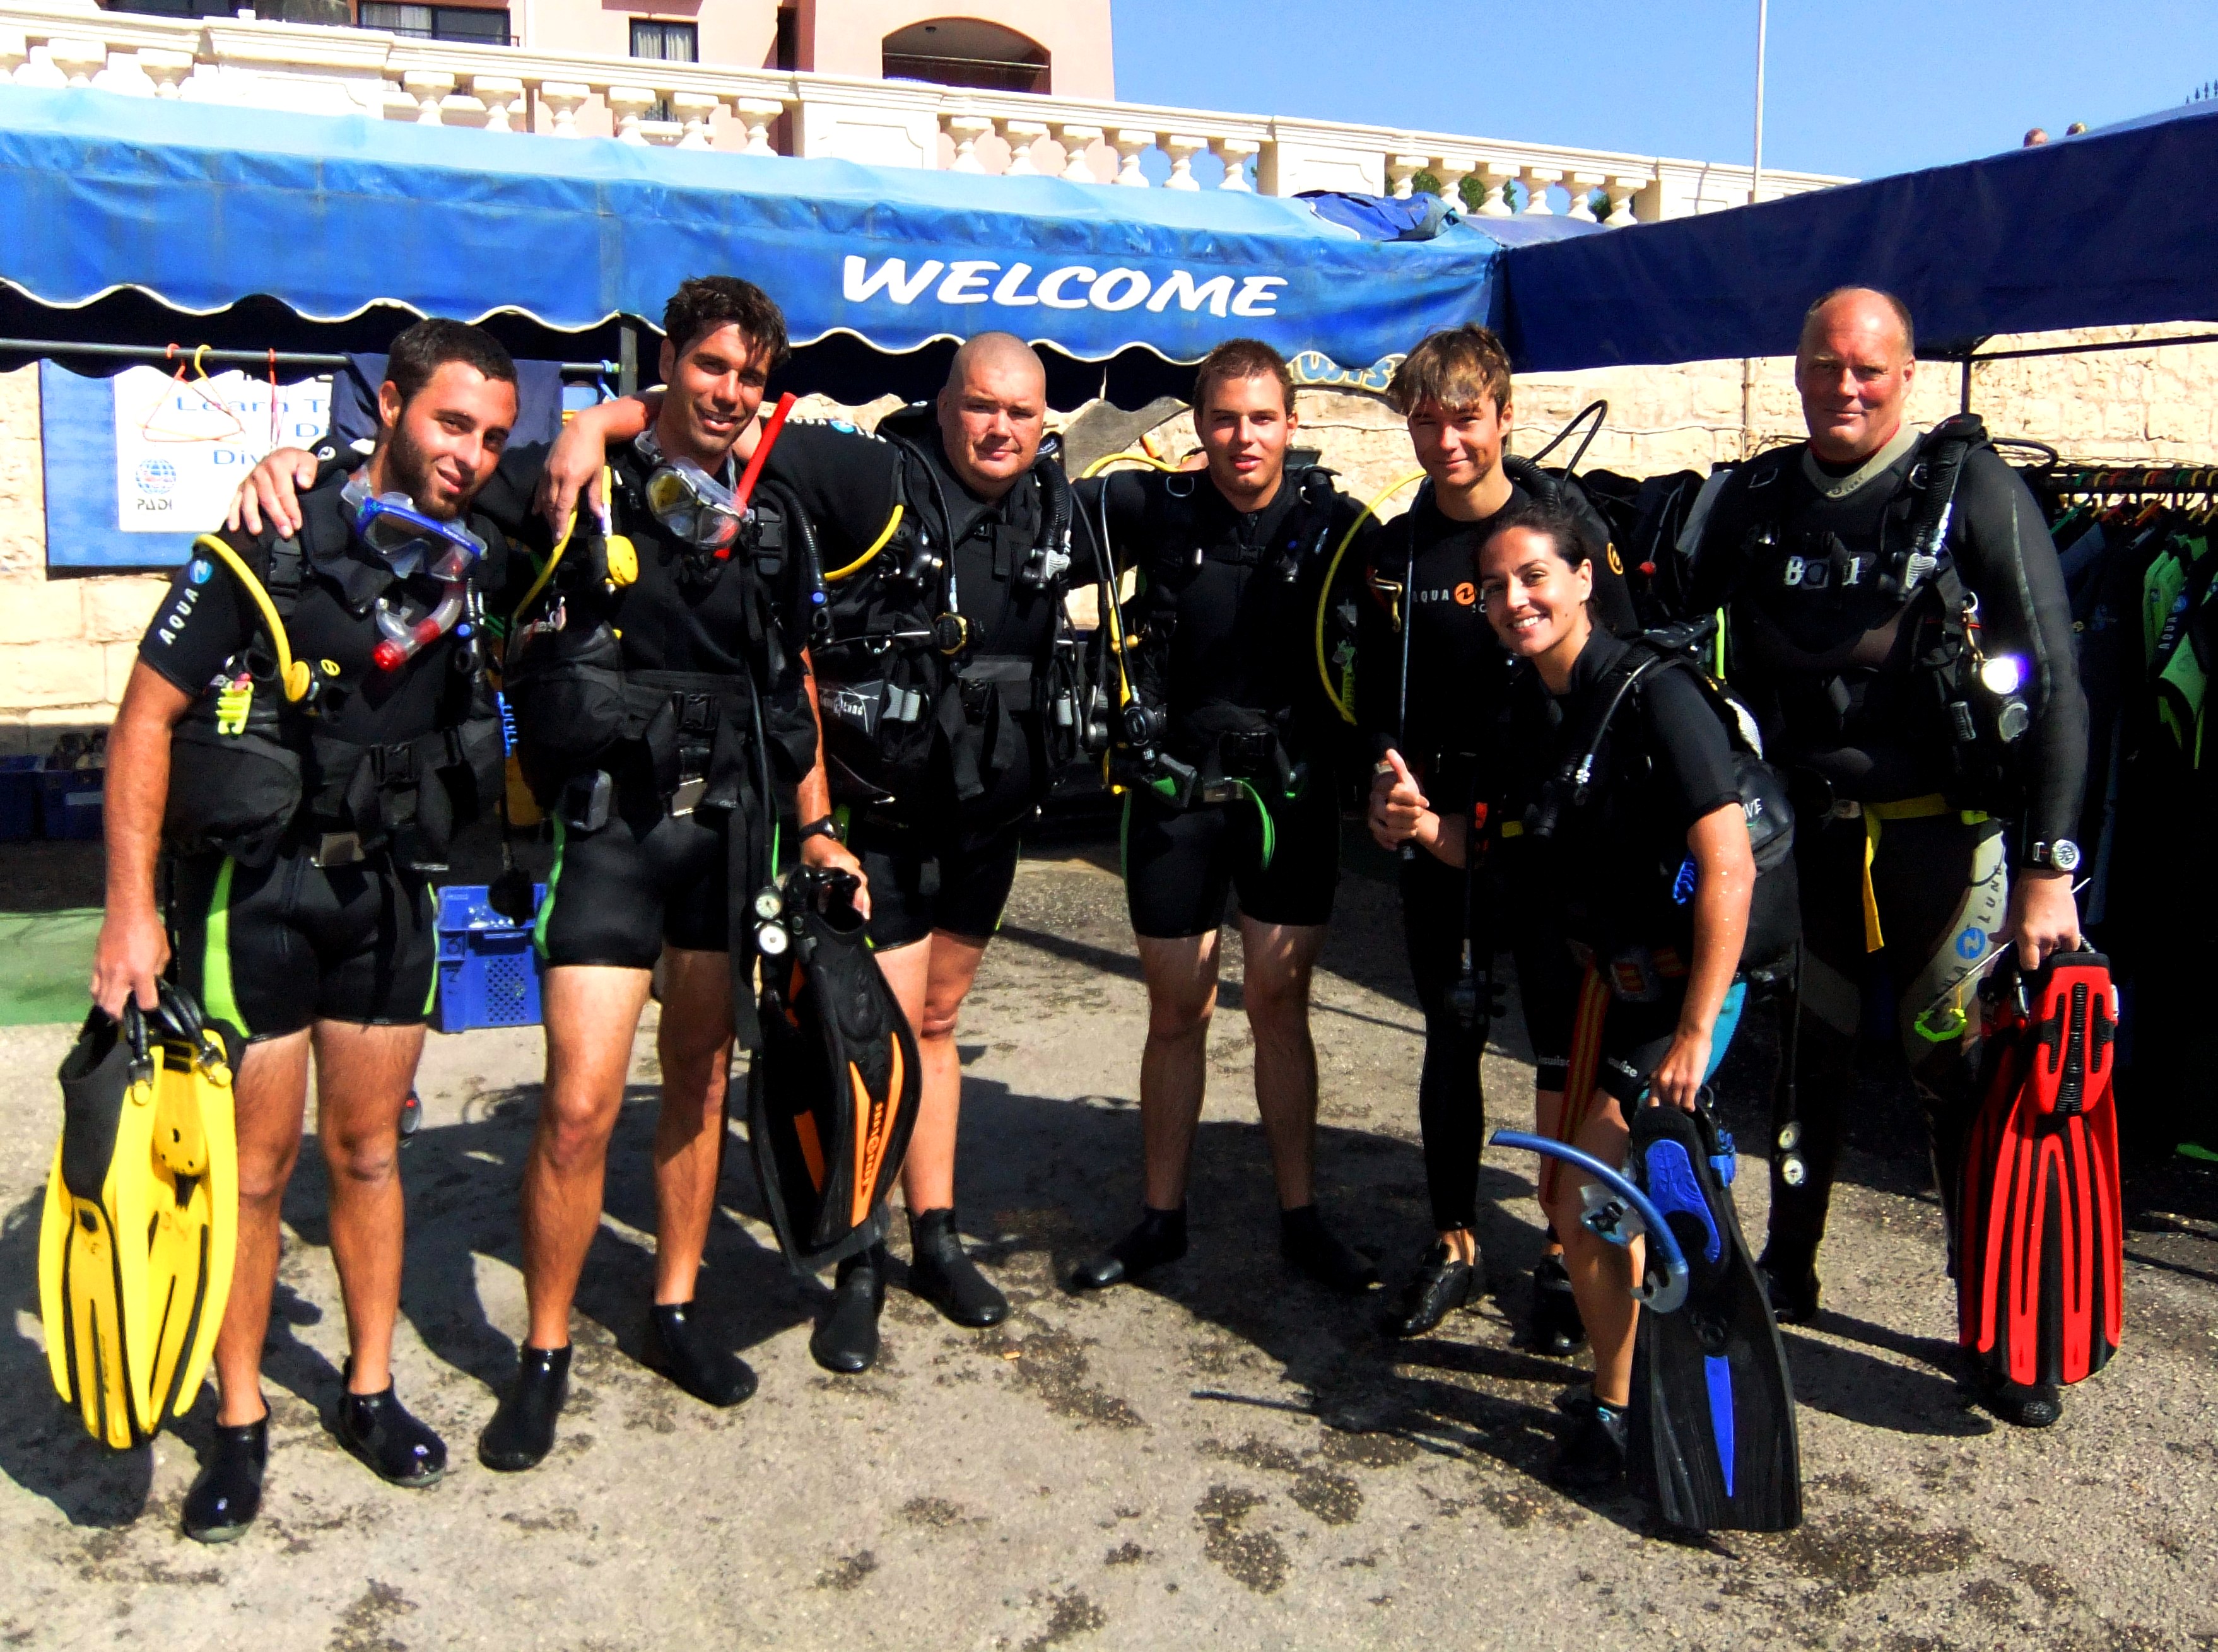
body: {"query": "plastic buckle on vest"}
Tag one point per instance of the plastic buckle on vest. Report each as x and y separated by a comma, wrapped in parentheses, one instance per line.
(338, 849)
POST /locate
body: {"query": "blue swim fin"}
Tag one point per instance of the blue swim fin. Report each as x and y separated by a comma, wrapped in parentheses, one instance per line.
(1713, 1432)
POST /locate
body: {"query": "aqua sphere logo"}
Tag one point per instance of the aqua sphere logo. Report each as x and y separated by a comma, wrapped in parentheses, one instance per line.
(155, 476)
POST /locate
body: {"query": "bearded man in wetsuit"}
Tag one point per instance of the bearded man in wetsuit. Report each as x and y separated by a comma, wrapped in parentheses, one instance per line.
(1921, 855)
(1232, 562)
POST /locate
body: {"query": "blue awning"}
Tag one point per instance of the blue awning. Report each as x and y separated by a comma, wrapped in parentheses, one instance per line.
(2115, 228)
(201, 206)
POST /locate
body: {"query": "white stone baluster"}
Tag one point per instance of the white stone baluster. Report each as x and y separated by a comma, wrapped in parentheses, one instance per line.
(1236, 153)
(1536, 180)
(428, 90)
(1495, 178)
(1452, 171)
(1621, 191)
(694, 111)
(1130, 145)
(169, 70)
(503, 98)
(1582, 186)
(14, 50)
(1401, 171)
(1075, 141)
(630, 105)
(77, 61)
(756, 115)
(966, 127)
(563, 99)
(1182, 149)
(1021, 136)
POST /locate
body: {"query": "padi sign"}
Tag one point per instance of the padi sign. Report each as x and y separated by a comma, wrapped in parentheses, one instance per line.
(1065, 287)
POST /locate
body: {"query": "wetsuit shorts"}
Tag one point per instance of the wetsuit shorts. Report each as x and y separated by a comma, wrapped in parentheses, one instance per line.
(271, 948)
(918, 884)
(647, 879)
(1180, 863)
(1626, 1034)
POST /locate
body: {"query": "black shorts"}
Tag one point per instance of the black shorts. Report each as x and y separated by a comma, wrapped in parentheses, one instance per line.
(1180, 863)
(643, 882)
(919, 885)
(271, 948)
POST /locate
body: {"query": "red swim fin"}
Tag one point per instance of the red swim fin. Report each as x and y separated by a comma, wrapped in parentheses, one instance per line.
(2041, 1229)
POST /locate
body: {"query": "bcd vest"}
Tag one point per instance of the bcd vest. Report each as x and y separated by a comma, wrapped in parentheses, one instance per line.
(904, 681)
(1835, 597)
(248, 768)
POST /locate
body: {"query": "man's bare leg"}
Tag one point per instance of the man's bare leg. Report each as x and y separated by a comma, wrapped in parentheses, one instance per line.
(269, 1099)
(695, 1044)
(1280, 958)
(363, 1075)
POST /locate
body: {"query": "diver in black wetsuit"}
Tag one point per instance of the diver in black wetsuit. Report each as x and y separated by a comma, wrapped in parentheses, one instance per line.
(1439, 704)
(1241, 788)
(1862, 603)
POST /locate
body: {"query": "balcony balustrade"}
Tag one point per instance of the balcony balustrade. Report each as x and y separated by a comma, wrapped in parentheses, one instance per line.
(241, 62)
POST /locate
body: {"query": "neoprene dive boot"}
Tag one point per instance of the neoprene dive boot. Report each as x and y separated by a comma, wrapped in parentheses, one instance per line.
(396, 1447)
(681, 1350)
(941, 1273)
(1159, 1238)
(522, 1431)
(1555, 1329)
(1789, 1277)
(226, 1493)
(1443, 1283)
(847, 1340)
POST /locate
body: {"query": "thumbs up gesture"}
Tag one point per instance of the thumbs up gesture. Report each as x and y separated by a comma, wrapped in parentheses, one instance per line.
(1399, 811)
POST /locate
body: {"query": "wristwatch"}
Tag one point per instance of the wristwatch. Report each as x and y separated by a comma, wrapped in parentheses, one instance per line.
(824, 826)
(2061, 856)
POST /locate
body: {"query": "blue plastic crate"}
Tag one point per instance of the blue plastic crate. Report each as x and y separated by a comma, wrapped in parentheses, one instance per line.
(70, 805)
(488, 976)
(19, 799)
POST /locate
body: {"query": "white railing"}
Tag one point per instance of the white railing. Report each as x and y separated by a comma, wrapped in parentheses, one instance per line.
(312, 68)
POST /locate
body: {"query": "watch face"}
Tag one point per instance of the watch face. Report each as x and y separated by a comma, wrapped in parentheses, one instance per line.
(2063, 854)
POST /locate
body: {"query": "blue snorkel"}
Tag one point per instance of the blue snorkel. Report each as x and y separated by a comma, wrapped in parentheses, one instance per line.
(1620, 1220)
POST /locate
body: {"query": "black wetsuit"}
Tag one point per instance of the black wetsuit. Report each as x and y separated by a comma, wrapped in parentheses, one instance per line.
(709, 635)
(1220, 637)
(1830, 665)
(270, 945)
(1603, 878)
(1458, 673)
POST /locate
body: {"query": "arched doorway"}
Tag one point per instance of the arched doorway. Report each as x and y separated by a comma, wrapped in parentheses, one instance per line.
(966, 51)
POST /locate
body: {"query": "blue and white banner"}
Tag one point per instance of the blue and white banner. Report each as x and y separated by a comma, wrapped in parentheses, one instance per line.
(202, 206)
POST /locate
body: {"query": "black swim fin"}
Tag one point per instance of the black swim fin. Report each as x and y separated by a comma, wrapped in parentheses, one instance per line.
(1712, 1426)
(834, 1091)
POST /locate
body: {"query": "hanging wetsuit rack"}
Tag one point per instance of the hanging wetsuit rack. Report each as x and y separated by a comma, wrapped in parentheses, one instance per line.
(319, 361)
(2126, 479)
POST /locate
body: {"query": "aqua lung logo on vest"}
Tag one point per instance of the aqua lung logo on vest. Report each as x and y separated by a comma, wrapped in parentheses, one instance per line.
(1462, 594)
(173, 622)
(1816, 573)
(1065, 287)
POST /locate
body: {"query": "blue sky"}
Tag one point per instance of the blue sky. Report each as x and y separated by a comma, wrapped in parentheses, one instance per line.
(1858, 87)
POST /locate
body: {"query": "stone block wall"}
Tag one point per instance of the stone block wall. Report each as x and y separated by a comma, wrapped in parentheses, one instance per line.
(66, 643)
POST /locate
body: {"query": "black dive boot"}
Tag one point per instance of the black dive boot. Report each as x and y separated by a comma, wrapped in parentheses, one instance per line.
(522, 1431)
(1593, 1452)
(678, 1348)
(1159, 1238)
(846, 1340)
(1790, 1279)
(2037, 1405)
(1555, 1329)
(944, 1276)
(1315, 1250)
(1443, 1283)
(226, 1494)
(393, 1445)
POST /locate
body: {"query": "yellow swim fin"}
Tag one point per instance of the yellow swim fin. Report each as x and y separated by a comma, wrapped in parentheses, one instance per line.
(141, 1221)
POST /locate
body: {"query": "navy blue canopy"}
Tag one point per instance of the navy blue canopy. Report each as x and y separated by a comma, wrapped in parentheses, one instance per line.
(2114, 228)
(201, 207)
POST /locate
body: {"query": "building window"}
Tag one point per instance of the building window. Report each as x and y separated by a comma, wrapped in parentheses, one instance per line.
(786, 53)
(476, 25)
(665, 42)
(964, 52)
(176, 7)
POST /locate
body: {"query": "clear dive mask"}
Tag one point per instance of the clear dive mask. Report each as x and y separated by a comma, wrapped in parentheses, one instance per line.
(408, 541)
(693, 505)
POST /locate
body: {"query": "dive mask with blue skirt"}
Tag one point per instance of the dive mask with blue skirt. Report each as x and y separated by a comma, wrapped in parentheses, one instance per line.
(405, 538)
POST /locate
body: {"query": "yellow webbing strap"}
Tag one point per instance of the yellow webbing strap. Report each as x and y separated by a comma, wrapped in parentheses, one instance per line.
(1324, 596)
(555, 556)
(1910, 809)
(291, 674)
(877, 545)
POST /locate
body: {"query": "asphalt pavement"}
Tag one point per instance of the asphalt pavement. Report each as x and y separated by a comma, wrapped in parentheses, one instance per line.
(1225, 1456)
